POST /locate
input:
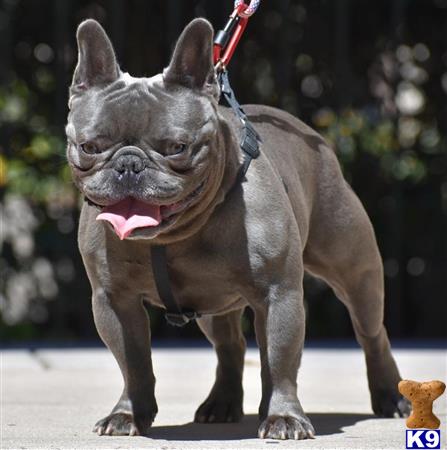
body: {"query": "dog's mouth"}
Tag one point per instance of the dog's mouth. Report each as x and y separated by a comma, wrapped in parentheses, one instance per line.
(130, 213)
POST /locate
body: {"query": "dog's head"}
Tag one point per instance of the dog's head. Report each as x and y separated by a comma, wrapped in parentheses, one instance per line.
(145, 151)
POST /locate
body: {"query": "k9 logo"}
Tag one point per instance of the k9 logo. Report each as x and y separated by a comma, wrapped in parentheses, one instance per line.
(423, 439)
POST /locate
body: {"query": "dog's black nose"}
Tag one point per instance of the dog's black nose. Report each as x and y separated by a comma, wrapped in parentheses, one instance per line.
(131, 164)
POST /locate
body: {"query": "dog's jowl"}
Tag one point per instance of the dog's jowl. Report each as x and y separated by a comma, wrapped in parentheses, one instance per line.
(157, 161)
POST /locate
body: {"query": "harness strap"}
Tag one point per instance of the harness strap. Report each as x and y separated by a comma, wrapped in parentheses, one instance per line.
(174, 314)
(250, 146)
(250, 137)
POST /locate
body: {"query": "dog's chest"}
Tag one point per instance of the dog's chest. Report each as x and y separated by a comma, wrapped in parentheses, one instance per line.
(201, 280)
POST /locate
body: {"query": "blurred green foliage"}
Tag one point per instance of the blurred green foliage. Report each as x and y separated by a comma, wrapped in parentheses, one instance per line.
(353, 132)
(33, 163)
(373, 84)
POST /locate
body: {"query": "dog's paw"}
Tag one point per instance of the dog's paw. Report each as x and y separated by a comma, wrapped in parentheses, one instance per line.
(116, 424)
(389, 403)
(220, 408)
(286, 427)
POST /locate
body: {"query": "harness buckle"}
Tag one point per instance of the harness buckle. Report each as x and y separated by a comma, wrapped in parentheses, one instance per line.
(181, 319)
(250, 140)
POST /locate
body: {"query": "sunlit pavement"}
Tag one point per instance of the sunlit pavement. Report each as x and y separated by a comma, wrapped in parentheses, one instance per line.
(52, 398)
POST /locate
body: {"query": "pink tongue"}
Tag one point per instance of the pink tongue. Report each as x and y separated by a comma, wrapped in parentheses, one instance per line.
(129, 214)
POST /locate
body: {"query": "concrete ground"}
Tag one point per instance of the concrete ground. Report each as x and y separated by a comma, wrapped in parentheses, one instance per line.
(52, 398)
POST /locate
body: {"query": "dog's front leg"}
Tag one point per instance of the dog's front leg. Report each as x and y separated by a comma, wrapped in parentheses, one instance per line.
(279, 323)
(124, 327)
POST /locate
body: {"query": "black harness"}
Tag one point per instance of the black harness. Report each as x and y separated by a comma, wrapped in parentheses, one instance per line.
(175, 315)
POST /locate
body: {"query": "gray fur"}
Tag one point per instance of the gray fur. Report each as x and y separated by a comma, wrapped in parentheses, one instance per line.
(237, 245)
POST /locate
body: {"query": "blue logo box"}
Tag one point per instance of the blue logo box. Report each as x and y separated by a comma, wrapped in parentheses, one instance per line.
(426, 439)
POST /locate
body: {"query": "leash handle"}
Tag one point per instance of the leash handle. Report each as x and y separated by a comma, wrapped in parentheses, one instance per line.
(227, 39)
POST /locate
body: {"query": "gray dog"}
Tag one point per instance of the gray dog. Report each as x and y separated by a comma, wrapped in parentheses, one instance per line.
(158, 162)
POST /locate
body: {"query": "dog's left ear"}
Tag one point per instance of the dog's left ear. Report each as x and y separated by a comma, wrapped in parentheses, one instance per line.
(192, 62)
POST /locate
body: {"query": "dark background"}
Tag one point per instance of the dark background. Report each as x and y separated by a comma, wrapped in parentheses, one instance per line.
(370, 76)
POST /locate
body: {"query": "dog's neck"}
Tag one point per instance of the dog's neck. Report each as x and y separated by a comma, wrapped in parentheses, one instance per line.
(228, 165)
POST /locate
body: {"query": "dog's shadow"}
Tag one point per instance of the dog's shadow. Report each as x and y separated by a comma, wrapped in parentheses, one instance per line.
(325, 424)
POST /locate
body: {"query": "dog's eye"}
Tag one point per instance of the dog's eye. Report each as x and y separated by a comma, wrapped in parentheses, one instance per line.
(89, 147)
(177, 148)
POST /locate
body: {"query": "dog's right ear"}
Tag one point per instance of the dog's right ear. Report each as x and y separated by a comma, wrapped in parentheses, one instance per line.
(96, 58)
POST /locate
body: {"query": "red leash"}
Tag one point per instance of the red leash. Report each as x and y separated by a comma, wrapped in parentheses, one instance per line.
(227, 39)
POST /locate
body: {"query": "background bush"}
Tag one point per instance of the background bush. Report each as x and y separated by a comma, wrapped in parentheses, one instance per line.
(370, 76)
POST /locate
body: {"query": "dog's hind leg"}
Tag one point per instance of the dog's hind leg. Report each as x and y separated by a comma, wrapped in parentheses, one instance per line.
(343, 251)
(224, 403)
(363, 296)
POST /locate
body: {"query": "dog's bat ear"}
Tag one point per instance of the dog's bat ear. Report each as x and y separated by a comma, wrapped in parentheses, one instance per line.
(192, 61)
(96, 58)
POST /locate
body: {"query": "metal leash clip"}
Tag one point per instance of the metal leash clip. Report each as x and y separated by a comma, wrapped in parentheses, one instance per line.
(227, 39)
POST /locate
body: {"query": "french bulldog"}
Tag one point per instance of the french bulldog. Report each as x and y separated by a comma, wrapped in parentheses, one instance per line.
(157, 161)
